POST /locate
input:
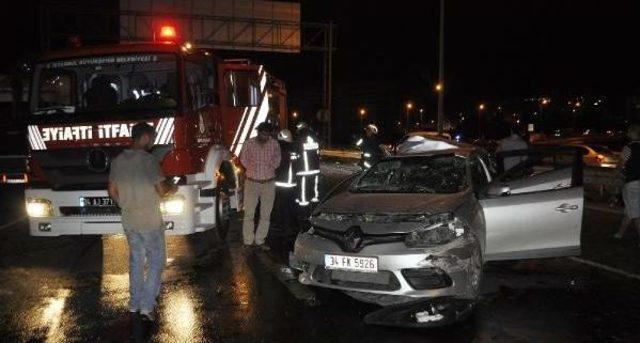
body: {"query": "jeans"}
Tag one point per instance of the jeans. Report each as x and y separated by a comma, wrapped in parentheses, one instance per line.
(144, 246)
(265, 193)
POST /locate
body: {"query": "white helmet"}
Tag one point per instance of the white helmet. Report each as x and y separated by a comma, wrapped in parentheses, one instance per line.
(372, 128)
(285, 135)
(301, 125)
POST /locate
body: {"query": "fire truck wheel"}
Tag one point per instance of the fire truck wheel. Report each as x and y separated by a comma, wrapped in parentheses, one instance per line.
(223, 208)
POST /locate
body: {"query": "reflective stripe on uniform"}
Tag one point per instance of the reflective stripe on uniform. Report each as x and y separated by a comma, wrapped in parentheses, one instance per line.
(285, 184)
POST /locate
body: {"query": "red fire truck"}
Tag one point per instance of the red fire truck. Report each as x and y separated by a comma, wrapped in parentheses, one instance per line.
(84, 102)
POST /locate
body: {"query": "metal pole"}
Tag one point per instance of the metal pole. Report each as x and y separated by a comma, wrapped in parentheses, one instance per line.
(441, 72)
(329, 83)
(406, 125)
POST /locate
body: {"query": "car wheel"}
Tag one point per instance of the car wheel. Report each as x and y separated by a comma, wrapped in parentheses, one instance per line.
(475, 274)
(223, 208)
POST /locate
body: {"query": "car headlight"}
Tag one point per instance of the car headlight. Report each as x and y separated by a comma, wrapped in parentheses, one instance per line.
(172, 205)
(39, 208)
(439, 229)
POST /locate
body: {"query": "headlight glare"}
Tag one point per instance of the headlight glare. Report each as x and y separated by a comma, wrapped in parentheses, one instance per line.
(172, 205)
(446, 229)
(39, 208)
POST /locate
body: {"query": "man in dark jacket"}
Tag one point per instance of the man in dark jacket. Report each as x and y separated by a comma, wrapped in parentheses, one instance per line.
(630, 163)
(283, 217)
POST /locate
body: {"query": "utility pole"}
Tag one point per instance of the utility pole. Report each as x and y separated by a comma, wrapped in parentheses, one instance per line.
(325, 120)
(330, 83)
(441, 72)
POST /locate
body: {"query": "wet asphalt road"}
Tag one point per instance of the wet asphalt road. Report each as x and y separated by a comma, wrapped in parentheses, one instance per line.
(76, 289)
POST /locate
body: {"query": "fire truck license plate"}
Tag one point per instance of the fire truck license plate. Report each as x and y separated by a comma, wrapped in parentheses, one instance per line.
(96, 201)
(351, 263)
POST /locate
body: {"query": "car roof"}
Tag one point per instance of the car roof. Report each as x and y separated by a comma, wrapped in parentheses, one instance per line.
(430, 146)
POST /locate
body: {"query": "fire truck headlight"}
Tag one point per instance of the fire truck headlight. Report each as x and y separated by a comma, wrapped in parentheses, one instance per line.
(39, 208)
(172, 205)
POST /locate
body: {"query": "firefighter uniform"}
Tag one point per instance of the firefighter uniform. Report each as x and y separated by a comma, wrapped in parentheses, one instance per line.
(284, 216)
(371, 150)
(308, 170)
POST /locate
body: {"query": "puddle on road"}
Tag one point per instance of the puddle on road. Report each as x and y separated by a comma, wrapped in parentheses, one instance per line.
(180, 317)
(52, 316)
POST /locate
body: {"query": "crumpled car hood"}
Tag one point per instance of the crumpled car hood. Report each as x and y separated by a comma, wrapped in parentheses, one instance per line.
(384, 213)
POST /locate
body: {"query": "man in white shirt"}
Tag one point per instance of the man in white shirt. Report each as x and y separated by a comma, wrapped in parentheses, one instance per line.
(511, 143)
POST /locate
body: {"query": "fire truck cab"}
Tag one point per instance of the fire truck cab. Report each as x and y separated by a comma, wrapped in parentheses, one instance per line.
(84, 102)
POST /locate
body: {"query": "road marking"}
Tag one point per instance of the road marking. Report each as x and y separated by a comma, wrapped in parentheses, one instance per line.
(605, 267)
(298, 290)
(10, 224)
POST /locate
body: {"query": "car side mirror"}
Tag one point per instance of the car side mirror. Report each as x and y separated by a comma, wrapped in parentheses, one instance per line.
(499, 190)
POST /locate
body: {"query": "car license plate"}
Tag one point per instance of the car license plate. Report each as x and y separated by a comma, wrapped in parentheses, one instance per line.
(96, 201)
(351, 263)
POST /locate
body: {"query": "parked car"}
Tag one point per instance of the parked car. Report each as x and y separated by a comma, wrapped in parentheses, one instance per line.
(413, 232)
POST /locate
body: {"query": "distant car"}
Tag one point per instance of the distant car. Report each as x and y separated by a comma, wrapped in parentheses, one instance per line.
(413, 232)
(596, 155)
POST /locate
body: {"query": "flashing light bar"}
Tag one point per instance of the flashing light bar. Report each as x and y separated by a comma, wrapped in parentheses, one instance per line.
(167, 34)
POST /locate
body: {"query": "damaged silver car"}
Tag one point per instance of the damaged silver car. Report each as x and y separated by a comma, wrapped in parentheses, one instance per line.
(412, 233)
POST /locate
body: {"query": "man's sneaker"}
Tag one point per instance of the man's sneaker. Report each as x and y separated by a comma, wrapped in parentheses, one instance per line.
(618, 235)
(133, 310)
(148, 316)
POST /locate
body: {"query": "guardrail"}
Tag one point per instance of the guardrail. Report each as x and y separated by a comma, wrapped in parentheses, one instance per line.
(350, 154)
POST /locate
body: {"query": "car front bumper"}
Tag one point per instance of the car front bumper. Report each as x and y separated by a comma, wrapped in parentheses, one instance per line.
(459, 260)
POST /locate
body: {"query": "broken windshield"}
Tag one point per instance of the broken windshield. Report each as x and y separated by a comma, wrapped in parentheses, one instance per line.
(419, 174)
(98, 83)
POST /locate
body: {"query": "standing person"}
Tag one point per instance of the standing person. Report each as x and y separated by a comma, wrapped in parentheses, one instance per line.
(630, 163)
(283, 217)
(512, 142)
(371, 147)
(136, 184)
(260, 156)
(308, 170)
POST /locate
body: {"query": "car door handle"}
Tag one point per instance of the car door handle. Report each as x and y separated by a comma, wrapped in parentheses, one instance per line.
(565, 208)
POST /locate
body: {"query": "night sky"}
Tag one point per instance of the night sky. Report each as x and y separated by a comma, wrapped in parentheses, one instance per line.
(387, 54)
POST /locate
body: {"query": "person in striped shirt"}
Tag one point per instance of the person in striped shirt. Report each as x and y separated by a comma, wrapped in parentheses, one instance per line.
(260, 157)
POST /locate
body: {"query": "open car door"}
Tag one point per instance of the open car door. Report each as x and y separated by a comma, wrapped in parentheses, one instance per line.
(534, 209)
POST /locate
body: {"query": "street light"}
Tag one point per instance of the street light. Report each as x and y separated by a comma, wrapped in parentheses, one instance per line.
(362, 112)
(480, 126)
(438, 87)
(409, 106)
(294, 114)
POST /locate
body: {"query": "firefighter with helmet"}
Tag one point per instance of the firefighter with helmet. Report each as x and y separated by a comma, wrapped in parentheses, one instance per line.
(371, 147)
(308, 170)
(283, 217)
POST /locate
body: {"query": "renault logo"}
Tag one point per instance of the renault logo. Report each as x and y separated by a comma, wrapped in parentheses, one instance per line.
(352, 239)
(97, 160)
